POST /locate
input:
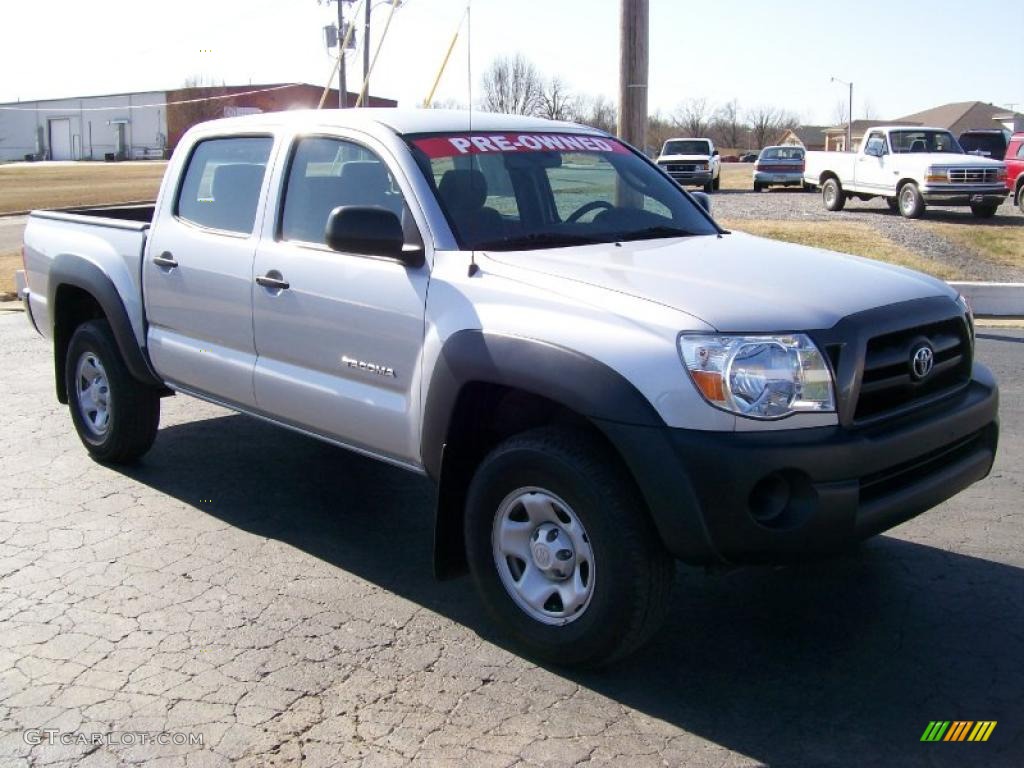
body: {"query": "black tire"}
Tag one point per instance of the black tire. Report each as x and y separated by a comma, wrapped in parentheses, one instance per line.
(709, 187)
(758, 187)
(132, 409)
(983, 210)
(623, 612)
(1020, 197)
(807, 187)
(893, 203)
(910, 201)
(832, 195)
(717, 183)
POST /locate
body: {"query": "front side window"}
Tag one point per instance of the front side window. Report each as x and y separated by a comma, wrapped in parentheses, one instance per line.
(222, 183)
(327, 173)
(914, 142)
(527, 191)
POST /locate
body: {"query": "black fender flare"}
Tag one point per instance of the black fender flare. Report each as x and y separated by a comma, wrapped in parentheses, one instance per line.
(580, 383)
(68, 269)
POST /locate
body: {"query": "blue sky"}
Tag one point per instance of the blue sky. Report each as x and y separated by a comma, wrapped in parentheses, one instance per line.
(902, 56)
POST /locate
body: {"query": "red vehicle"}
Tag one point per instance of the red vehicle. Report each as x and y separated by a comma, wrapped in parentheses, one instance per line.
(1015, 169)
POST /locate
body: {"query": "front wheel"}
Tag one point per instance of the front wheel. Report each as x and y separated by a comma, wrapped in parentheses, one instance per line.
(562, 550)
(911, 202)
(893, 203)
(709, 187)
(116, 417)
(984, 211)
(717, 183)
(832, 195)
(1020, 198)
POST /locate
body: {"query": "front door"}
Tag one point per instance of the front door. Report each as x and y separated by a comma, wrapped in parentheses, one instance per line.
(339, 347)
(197, 274)
(873, 173)
(60, 139)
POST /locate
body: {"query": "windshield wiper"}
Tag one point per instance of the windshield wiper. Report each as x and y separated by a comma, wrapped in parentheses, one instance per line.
(653, 233)
(539, 240)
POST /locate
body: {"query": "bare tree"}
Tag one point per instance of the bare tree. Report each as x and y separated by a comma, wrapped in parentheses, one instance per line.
(598, 112)
(841, 112)
(868, 108)
(446, 104)
(693, 116)
(659, 130)
(512, 85)
(766, 123)
(557, 102)
(728, 126)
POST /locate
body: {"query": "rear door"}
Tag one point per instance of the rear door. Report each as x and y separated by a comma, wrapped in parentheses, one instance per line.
(197, 273)
(339, 347)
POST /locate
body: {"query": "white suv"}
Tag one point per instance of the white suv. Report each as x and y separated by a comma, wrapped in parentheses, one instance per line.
(692, 162)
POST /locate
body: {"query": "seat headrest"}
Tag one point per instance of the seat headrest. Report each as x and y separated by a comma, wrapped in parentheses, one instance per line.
(918, 145)
(463, 189)
(231, 179)
(366, 175)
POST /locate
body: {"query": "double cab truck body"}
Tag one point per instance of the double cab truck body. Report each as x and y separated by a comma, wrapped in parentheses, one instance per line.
(911, 168)
(598, 378)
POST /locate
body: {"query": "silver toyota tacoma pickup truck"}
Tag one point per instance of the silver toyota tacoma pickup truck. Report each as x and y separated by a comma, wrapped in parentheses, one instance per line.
(599, 379)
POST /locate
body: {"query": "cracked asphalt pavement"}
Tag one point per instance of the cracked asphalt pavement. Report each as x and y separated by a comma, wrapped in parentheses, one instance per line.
(275, 595)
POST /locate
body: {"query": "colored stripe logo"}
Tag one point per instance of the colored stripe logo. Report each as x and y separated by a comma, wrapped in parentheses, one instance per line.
(958, 730)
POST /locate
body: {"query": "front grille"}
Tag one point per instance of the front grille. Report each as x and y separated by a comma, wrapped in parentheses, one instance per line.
(674, 168)
(888, 383)
(973, 175)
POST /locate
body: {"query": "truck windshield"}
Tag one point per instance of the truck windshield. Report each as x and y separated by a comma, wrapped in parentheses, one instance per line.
(686, 147)
(546, 190)
(908, 142)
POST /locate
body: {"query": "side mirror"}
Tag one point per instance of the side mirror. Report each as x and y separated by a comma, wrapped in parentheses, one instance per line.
(703, 199)
(370, 231)
(715, 153)
(874, 148)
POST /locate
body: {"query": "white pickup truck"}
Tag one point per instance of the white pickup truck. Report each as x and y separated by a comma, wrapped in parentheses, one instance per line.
(692, 162)
(911, 168)
(598, 378)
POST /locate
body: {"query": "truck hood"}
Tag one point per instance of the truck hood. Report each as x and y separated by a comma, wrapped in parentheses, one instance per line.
(735, 283)
(683, 158)
(945, 158)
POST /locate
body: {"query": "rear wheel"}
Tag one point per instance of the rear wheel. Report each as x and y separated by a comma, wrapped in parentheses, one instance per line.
(911, 202)
(562, 550)
(116, 417)
(832, 195)
(758, 186)
(1020, 198)
(983, 210)
(893, 203)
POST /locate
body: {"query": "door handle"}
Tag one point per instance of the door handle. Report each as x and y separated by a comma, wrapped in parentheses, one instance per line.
(267, 281)
(165, 259)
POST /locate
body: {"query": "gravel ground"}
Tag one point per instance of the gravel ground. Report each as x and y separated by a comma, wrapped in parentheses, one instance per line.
(913, 235)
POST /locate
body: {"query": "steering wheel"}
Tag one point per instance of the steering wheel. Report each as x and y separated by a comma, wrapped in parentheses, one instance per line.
(583, 210)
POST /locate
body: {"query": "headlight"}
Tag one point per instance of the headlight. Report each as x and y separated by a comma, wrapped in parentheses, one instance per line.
(1001, 174)
(936, 176)
(762, 377)
(702, 166)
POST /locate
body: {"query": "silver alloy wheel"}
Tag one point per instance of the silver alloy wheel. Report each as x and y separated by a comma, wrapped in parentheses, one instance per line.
(830, 193)
(543, 556)
(907, 199)
(93, 394)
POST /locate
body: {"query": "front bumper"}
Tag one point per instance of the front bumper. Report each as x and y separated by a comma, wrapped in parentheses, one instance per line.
(963, 195)
(691, 178)
(779, 496)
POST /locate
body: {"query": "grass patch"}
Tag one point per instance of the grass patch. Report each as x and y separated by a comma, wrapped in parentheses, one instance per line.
(1000, 244)
(28, 186)
(737, 176)
(10, 262)
(856, 238)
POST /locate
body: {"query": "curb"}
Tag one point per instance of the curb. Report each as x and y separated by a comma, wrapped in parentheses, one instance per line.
(993, 299)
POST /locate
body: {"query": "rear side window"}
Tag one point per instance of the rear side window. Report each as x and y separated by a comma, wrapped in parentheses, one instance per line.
(326, 173)
(222, 183)
(1020, 150)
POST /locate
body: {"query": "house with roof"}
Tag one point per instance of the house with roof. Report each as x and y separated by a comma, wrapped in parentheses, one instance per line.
(963, 116)
(810, 137)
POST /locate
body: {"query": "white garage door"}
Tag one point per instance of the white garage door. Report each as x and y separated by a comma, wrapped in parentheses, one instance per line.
(60, 140)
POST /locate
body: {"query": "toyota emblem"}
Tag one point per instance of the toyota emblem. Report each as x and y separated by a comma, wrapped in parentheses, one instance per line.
(922, 360)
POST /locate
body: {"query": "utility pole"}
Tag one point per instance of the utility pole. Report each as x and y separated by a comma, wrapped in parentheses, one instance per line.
(634, 25)
(342, 87)
(366, 50)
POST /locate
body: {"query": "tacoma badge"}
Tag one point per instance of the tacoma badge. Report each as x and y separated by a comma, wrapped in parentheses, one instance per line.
(362, 365)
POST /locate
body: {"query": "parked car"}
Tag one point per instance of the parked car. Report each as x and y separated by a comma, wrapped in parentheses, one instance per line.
(596, 384)
(749, 157)
(986, 142)
(692, 162)
(780, 166)
(1015, 169)
(911, 168)
(730, 158)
